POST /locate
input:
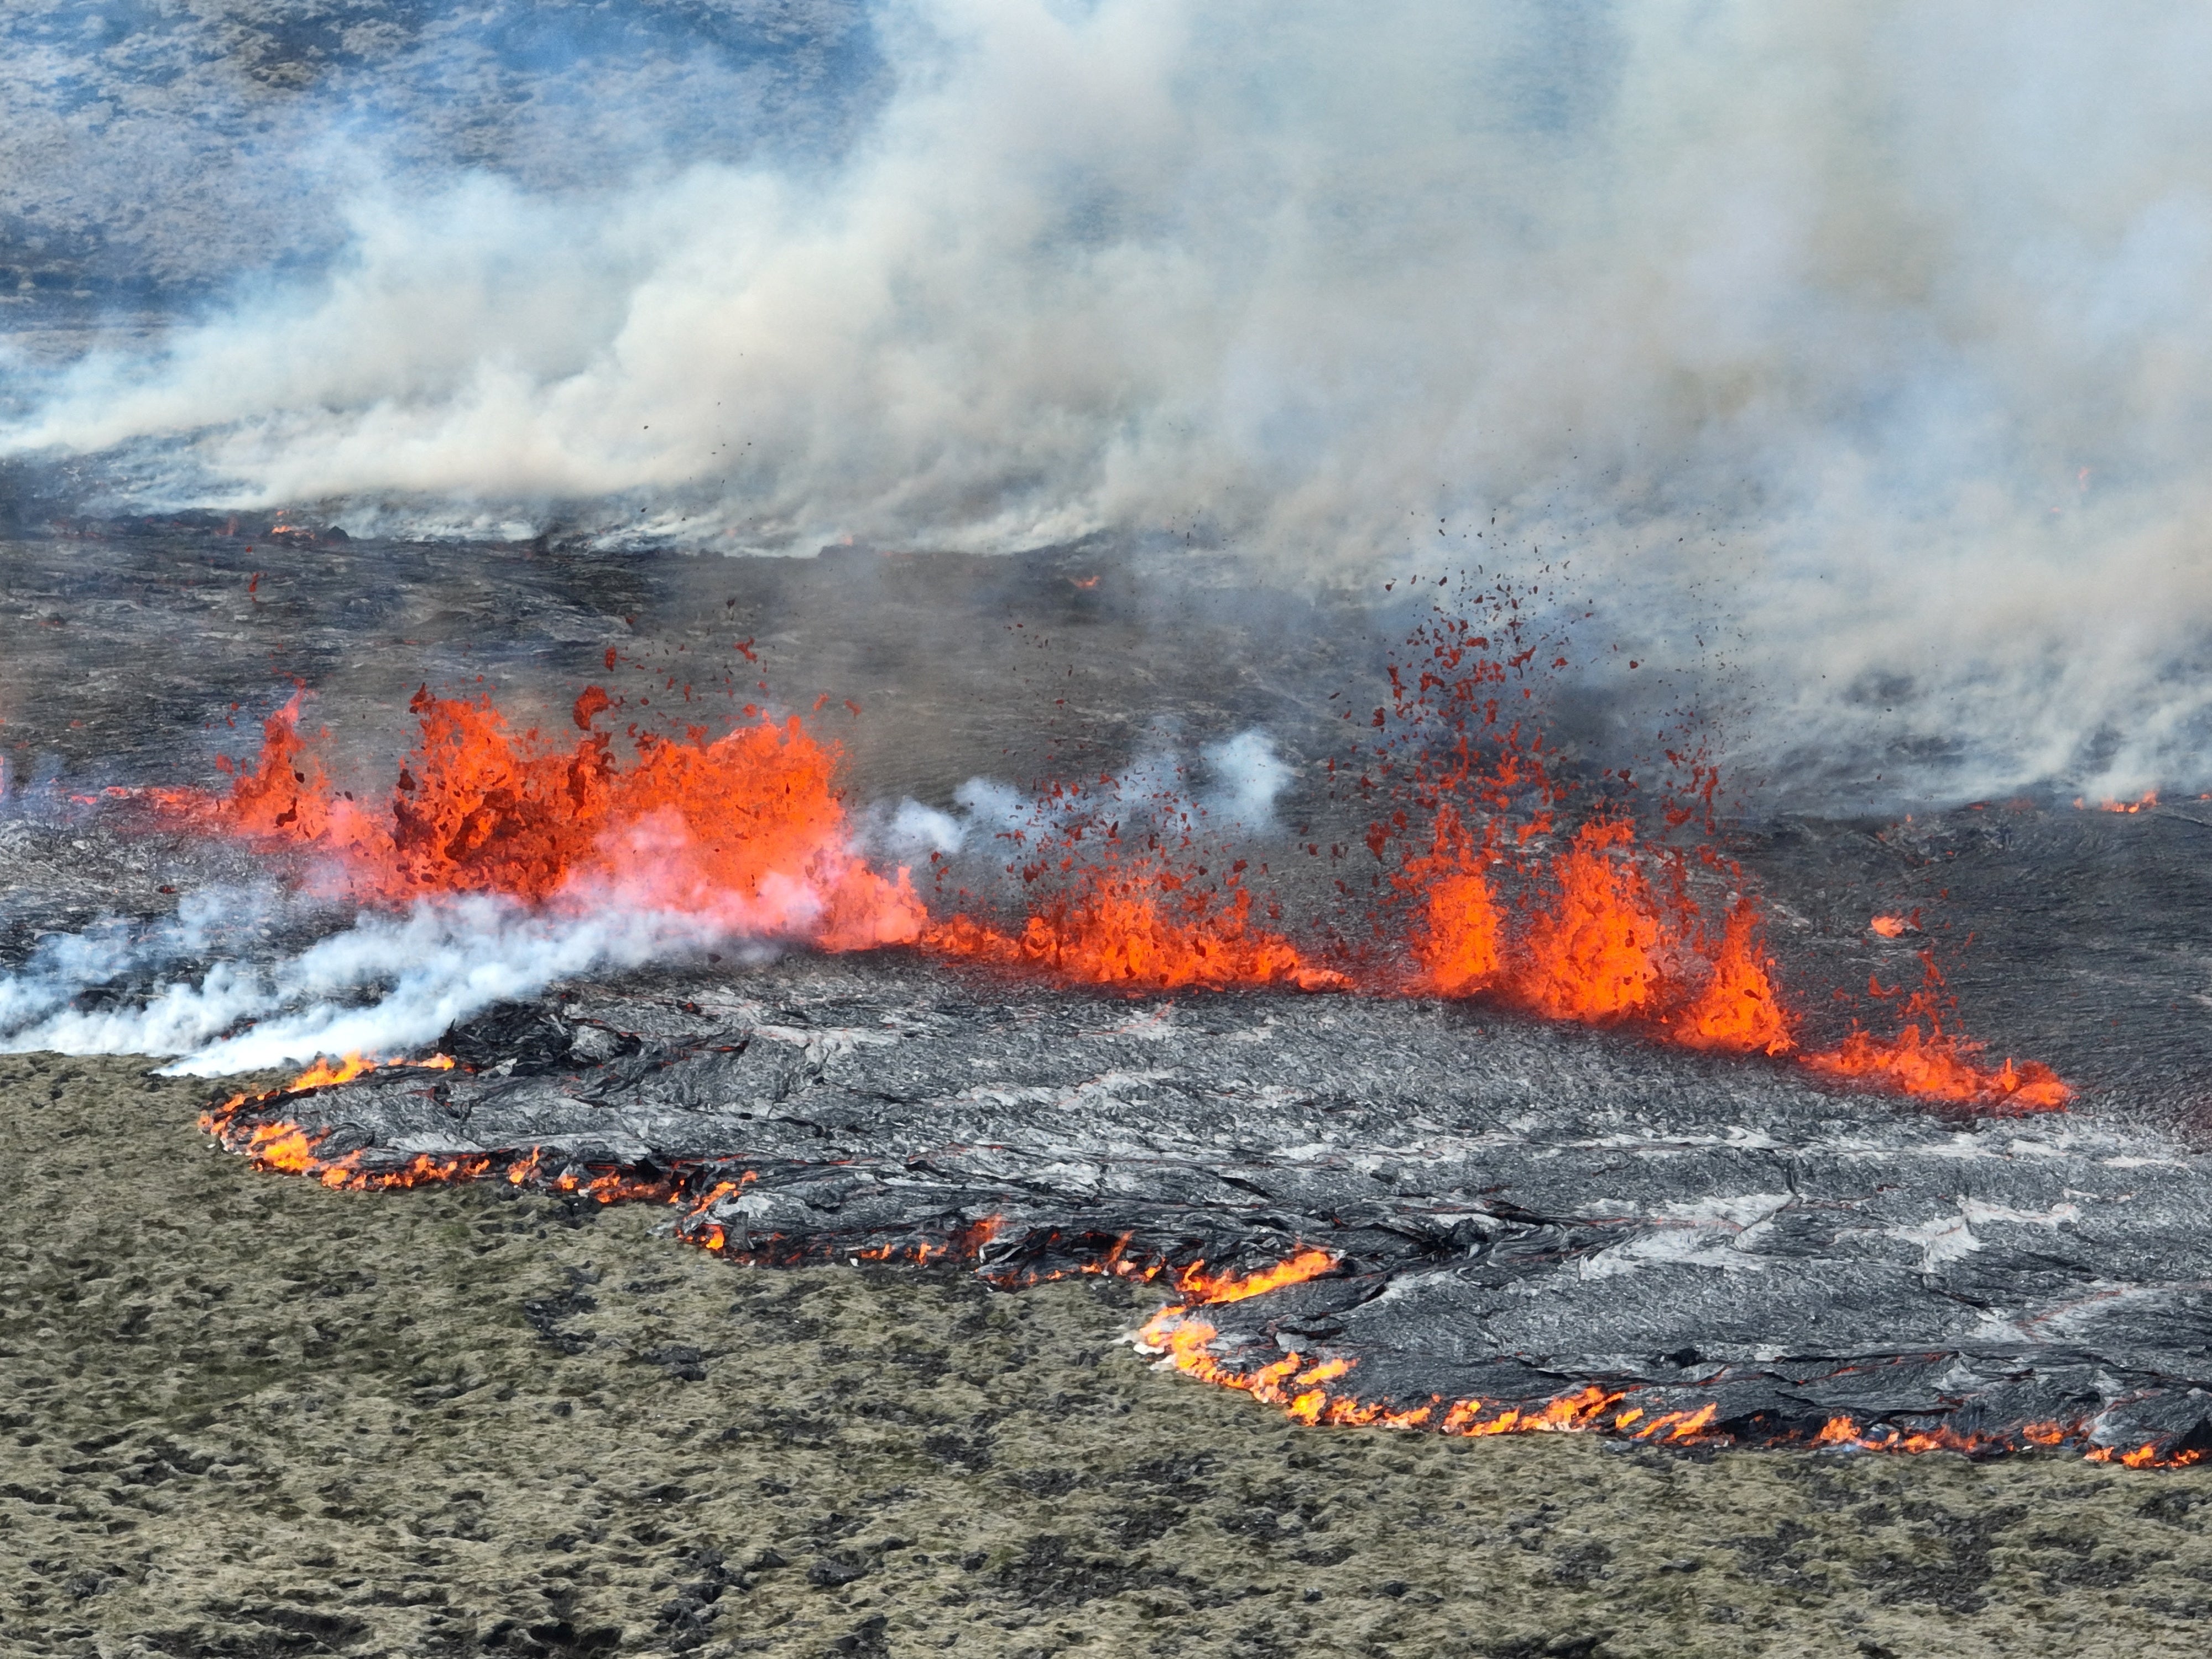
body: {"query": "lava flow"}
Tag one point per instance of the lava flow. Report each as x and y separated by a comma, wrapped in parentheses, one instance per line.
(1301, 1387)
(1482, 891)
(282, 1145)
(746, 830)
(1939, 1064)
(1146, 928)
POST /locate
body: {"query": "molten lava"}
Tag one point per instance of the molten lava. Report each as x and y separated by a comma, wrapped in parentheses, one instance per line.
(1738, 1010)
(746, 830)
(1183, 1340)
(1941, 1064)
(1145, 927)
(285, 1147)
(1595, 955)
(1481, 893)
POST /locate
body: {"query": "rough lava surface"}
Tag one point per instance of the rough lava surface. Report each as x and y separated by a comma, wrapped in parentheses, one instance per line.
(1517, 1212)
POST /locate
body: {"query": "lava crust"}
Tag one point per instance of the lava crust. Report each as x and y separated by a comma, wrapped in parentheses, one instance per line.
(1523, 1225)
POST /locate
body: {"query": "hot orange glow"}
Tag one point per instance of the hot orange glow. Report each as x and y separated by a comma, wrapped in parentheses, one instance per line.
(1142, 928)
(1609, 945)
(1183, 1339)
(1460, 951)
(1935, 1064)
(286, 1147)
(1938, 1065)
(2147, 800)
(1594, 955)
(1738, 1010)
(1600, 931)
(746, 828)
(1208, 1289)
(1570, 1414)
(324, 1072)
(1460, 944)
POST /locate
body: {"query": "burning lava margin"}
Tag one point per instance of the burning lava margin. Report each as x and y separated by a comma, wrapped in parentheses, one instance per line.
(1187, 1335)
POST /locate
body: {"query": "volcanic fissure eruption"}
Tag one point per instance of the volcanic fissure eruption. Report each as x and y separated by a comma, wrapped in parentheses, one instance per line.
(746, 830)
(1484, 894)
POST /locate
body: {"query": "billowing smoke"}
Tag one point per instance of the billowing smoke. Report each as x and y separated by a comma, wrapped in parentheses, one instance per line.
(1855, 355)
(388, 985)
(1227, 793)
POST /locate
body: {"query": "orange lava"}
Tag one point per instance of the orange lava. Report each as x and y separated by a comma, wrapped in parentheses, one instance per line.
(1594, 939)
(2144, 804)
(1145, 927)
(747, 831)
(746, 828)
(1209, 1289)
(1594, 955)
(287, 1148)
(1935, 1064)
(1601, 930)
(1738, 1010)
(1299, 1386)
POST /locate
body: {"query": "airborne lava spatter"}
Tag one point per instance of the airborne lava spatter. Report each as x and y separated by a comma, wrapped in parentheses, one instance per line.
(748, 831)
(747, 828)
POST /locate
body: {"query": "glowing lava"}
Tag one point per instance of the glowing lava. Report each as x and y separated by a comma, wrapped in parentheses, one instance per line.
(1146, 929)
(1182, 1340)
(1481, 893)
(1942, 1065)
(286, 1147)
(746, 830)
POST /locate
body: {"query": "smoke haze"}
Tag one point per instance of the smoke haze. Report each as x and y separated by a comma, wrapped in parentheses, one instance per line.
(1853, 355)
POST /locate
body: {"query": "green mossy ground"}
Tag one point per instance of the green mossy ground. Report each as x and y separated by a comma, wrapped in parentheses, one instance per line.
(241, 1415)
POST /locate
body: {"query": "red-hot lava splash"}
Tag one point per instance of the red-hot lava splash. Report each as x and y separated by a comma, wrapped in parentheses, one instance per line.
(746, 830)
(1488, 895)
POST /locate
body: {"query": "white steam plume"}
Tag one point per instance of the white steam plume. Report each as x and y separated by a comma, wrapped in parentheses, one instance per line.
(1875, 336)
(1232, 792)
(387, 986)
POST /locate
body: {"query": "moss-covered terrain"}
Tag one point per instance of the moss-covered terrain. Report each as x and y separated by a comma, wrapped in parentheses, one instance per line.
(242, 1415)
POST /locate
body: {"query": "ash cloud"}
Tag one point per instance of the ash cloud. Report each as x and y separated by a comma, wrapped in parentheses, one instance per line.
(1845, 351)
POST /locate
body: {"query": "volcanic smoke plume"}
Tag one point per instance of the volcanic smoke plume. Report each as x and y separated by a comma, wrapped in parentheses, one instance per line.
(1849, 352)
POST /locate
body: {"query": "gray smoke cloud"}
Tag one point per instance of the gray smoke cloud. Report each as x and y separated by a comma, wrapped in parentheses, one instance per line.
(1855, 355)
